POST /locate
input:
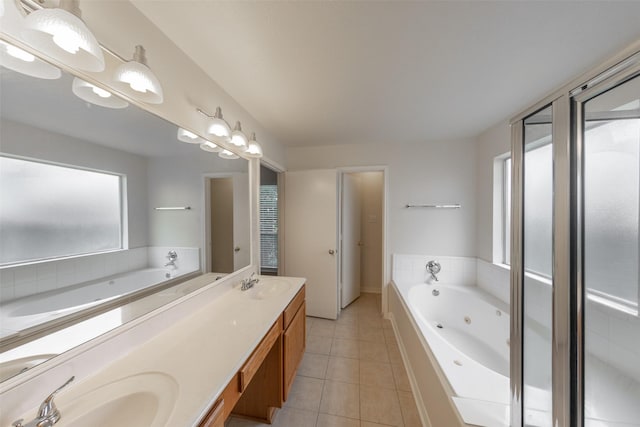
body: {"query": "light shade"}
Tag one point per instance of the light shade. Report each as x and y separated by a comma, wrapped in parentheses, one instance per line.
(238, 138)
(61, 34)
(96, 95)
(218, 128)
(137, 80)
(23, 62)
(226, 154)
(254, 149)
(210, 147)
(189, 137)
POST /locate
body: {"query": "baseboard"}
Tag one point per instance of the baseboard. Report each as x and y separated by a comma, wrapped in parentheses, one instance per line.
(370, 290)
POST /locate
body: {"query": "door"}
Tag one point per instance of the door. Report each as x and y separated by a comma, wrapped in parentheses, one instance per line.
(351, 239)
(310, 235)
(241, 235)
(222, 224)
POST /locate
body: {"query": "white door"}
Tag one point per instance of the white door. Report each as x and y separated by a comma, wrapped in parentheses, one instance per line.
(310, 236)
(351, 239)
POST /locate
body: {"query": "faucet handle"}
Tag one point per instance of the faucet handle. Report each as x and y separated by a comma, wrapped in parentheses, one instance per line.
(17, 423)
(48, 409)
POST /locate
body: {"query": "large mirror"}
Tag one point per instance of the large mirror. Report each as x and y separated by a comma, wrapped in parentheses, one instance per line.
(102, 208)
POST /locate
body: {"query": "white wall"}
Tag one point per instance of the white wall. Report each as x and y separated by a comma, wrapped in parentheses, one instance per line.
(436, 172)
(493, 142)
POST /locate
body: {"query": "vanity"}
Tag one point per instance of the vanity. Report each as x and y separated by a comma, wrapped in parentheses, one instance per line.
(237, 353)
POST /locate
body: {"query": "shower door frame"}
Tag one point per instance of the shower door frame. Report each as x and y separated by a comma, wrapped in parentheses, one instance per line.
(568, 293)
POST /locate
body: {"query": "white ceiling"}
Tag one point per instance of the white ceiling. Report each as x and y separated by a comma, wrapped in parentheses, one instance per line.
(333, 72)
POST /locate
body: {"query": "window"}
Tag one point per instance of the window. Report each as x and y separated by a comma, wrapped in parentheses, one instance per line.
(51, 211)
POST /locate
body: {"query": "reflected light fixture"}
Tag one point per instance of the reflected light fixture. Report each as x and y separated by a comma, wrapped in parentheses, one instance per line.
(254, 150)
(226, 154)
(189, 137)
(210, 147)
(96, 95)
(61, 34)
(136, 79)
(218, 128)
(15, 58)
(238, 138)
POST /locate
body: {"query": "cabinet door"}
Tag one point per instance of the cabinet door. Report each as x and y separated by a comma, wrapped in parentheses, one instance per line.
(294, 344)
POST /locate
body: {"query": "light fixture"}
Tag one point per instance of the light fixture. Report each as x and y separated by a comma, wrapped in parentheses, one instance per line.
(226, 154)
(61, 34)
(210, 147)
(189, 137)
(218, 128)
(136, 76)
(15, 58)
(254, 150)
(96, 95)
(238, 138)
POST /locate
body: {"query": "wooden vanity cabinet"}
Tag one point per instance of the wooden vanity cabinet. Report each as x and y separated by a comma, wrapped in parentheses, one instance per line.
(215, 417)
(294, 340)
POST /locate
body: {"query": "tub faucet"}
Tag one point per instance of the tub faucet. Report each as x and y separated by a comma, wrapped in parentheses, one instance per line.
(433, 267)
(173, 256)
(247, 284)
(48, 414)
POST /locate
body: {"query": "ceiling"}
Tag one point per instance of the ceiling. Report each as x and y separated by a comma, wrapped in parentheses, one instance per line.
(331, 72)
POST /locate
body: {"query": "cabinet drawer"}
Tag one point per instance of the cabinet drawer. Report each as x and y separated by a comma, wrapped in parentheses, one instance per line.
(293, 307)
(215, 417)
(255, 360)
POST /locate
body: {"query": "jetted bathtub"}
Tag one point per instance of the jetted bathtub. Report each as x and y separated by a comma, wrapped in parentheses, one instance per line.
(30, 311)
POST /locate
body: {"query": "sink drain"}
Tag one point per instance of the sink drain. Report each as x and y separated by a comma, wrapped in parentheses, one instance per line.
(457, 362)
(467, 320)
(439, 326)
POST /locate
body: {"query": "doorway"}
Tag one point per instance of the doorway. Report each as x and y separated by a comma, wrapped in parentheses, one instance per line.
(361, 234)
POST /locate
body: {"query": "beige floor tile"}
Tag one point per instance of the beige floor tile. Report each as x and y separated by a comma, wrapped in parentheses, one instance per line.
(370, 424)
(346, 331)
(345, 348)
(376, 374)
(341, 399)
(401, 378)
(344, 370)
(374, 351)
(318, 345)
(370, 320)
(389, 336)
(313, 365)
(366, 333)
(380, 405)
(349, 320)
(326, 420)
(321, 328)
(395, 357)
(290, 417)
(386, 324)
(410, 414)
(240, 422)
(305, 394)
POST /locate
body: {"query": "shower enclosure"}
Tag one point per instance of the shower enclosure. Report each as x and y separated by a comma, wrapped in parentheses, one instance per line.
(575, 179)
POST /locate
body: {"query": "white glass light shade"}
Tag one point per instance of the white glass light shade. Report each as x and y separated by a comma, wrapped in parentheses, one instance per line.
(189, 137)
(254, 149)
(23, 62)
(210, 147)
(95, 95)
(226, 154)
(238, 138)
(218, 128)
(138, 81)
(63, 36)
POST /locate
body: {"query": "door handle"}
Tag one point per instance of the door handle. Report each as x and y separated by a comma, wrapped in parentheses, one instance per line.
(236, 249)
(331, 252)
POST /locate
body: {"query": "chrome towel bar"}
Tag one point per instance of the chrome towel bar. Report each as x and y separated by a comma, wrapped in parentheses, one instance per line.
(454, 206)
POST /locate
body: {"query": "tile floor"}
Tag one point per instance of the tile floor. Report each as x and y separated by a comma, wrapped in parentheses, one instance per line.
(351, 375)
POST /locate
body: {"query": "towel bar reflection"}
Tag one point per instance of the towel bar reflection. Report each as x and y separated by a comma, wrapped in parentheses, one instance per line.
(174, 208)
(454, 206)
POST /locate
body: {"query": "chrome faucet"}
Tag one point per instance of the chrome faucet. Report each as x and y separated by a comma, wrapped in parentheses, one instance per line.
(48, 414)
(172, 256)
(248, 283)
(433, 267)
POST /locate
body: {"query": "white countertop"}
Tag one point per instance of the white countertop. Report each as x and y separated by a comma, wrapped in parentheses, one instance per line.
(201, 352)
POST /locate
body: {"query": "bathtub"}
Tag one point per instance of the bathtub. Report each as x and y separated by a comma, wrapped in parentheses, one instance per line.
(27, 312)
(465, 334)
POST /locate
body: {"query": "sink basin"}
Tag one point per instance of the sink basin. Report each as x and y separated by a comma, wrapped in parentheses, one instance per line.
(17, 366)
(140, 400)
(268, 289)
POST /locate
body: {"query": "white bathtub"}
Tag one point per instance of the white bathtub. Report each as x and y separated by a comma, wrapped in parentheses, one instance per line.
(30, 311)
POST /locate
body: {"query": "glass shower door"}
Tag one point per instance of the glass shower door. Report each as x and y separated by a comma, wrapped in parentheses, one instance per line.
(611, 197)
